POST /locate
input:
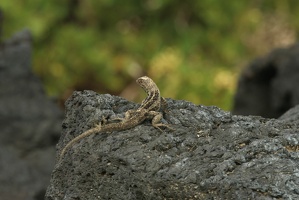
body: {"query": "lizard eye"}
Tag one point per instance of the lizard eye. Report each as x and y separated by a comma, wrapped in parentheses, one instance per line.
(141, 80)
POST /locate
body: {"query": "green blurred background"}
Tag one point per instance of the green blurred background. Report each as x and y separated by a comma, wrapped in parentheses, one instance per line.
(194, 50)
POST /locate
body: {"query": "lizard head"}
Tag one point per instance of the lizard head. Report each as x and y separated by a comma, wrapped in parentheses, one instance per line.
(146, 83)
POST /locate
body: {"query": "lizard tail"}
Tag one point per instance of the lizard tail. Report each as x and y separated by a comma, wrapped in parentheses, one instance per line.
(79, 137)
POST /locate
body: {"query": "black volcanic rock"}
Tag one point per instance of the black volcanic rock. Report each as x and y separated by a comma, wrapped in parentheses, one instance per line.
(268, 87)
(30, 124)
(211, 154)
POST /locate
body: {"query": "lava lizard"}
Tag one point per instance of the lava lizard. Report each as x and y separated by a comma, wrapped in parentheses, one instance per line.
(149, 109)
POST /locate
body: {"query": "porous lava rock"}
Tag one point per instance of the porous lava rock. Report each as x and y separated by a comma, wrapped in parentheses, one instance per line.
(210, 154)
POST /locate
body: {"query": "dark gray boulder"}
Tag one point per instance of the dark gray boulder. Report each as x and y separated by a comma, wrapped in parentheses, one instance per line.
(268, 87)
(211, 154)
(30, 124)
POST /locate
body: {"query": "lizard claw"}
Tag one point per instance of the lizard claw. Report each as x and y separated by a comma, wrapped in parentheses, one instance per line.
(98, 126)
(104, 120)
(163, 125)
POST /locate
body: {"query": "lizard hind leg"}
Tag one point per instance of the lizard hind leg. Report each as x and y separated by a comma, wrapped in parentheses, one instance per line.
(127, 116)
(104, 121)
(98, 126)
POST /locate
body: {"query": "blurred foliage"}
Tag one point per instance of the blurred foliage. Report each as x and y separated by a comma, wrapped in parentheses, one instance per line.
(193, 50)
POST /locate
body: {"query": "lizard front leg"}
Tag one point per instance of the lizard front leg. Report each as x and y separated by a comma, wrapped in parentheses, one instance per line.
(156, 121)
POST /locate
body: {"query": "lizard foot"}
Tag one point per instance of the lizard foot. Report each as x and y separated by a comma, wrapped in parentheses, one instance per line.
(162, 125)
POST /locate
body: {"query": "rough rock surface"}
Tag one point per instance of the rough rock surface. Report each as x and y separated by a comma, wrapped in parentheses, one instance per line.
(291, 115)
(211, 154)
(30, 124)
(268, 87)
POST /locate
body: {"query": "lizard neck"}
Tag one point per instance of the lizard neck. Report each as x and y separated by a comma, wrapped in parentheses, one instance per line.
(153, 99)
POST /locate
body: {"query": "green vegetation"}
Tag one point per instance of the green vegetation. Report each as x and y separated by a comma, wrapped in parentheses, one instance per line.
(194, 51)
